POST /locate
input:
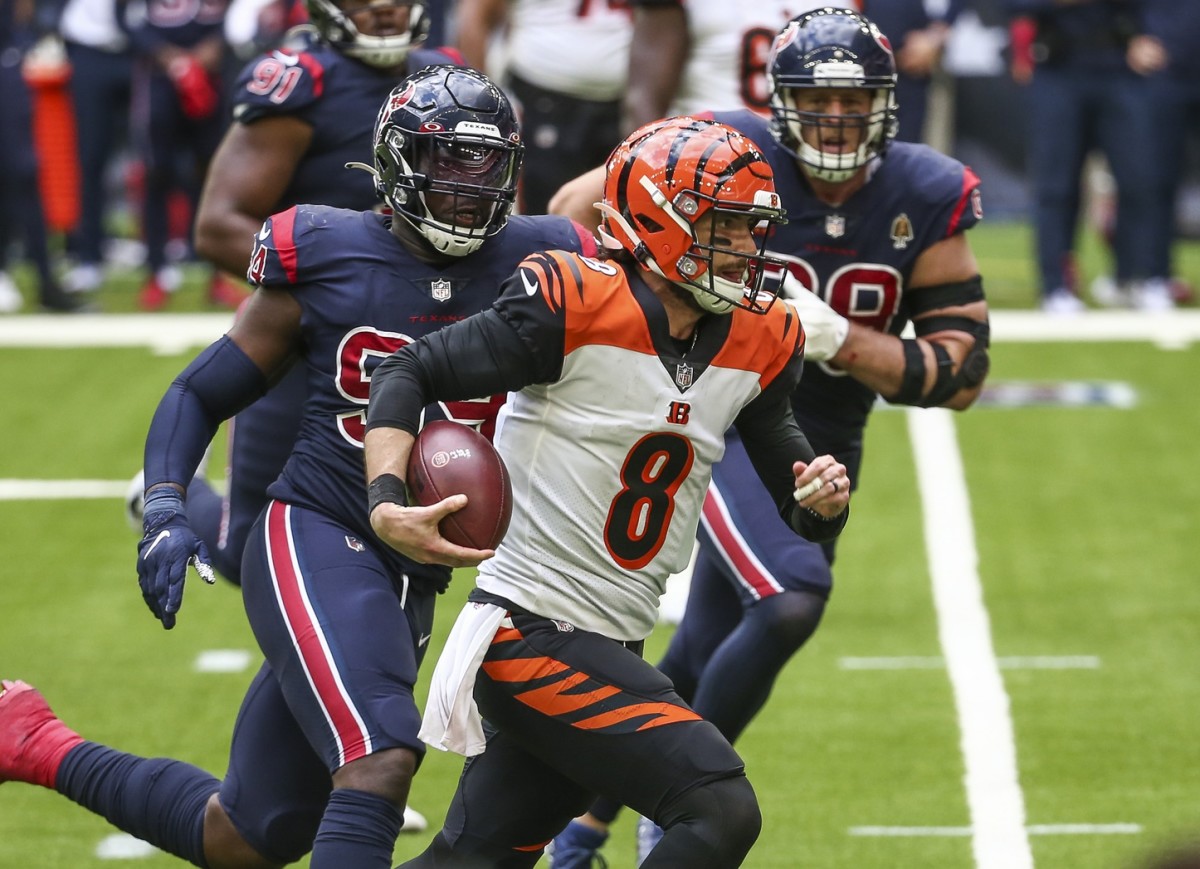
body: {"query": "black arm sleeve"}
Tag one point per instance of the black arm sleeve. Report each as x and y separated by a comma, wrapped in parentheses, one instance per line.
(774, 442)
(480, 356)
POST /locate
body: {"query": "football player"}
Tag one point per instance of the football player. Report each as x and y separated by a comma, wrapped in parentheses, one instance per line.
(626, 371)
(875, 240)
(326, 741)
(301, 113)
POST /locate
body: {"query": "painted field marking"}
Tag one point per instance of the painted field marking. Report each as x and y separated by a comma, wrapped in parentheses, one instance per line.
(994, 797)
(1012, 662)
(175, 333)
(223, 661)
(1032, 829)
(122, 846)
(61, 490)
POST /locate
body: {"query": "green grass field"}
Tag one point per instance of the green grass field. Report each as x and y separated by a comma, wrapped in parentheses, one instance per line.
(1083, 519)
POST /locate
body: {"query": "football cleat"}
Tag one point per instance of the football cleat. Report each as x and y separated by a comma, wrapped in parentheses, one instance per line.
(576, 848)
(33, 741)
(648, 836)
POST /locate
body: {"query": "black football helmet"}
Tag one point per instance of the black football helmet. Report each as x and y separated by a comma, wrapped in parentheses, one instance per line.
(832, 48)
(447, 154)
(331, 18)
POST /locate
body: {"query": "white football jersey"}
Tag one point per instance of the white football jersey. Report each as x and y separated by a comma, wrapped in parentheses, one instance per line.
(610, 463)
(576, 47)
(730, 45)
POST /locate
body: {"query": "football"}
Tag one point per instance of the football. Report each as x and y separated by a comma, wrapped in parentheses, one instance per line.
(451, 459)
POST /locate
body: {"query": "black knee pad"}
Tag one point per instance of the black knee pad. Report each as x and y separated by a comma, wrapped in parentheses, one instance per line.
(723, 814)
(788, 619)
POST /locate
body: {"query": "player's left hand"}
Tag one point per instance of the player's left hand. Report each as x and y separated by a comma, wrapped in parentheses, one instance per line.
(825, 330)
(822, 486)
(166, 549)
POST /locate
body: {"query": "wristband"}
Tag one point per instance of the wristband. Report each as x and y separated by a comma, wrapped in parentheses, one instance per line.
(386, 488)
(162, 498)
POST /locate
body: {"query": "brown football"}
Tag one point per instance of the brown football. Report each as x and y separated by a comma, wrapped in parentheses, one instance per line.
(452, 459)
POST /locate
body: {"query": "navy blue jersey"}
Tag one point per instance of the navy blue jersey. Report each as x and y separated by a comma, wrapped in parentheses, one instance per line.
(859, 256)
(339, 98)
(363, 296)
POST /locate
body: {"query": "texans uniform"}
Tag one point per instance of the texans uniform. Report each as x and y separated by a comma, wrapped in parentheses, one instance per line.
(858, 257)
(341, 617)
(609, 439)
(338, 97)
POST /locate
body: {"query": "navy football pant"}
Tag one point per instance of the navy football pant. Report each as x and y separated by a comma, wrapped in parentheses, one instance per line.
(337, 685)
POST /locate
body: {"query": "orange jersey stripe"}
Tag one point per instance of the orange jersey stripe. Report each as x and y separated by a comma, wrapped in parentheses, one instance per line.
(523, 669)
(762, 342)
(553, 699)
(664, 713)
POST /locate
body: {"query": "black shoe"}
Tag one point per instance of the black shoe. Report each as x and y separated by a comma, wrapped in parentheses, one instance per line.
(55, 301)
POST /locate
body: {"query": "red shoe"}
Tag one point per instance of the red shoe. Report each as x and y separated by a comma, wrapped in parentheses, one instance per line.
(153, 297)
(224, 293)
(33, 742)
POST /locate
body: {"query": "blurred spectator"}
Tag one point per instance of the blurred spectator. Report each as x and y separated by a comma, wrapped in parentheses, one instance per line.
(177, 113)
(918, 38)
(1087, 91)
(565, 63)
(1174, 29)
(20, 198)
(101, 69)
(702, 55)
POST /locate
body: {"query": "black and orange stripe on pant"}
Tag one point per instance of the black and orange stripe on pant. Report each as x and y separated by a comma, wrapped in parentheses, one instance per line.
(569, 714)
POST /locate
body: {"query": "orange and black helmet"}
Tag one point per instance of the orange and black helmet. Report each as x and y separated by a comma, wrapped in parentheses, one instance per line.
(663, 179)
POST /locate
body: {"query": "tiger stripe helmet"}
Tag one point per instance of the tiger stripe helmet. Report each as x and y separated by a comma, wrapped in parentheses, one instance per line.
(668, 175)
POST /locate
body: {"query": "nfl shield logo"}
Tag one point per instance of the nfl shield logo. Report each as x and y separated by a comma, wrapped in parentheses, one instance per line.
(440, 290)
(355, 544)
(683, 375)
(835, 225)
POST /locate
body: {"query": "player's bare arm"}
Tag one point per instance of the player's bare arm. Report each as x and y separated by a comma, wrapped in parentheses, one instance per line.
(268, 331)
(657, 56)
(247, 179)
(577, 198)
(956, 326)
(477, 20)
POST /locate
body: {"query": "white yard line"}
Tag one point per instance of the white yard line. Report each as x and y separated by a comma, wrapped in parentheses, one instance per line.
(1032, 829)
(994, 797)
(1012, 662)
(61, 490)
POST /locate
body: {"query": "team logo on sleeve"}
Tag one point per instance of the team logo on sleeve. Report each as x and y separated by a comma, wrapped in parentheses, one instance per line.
(902, 232)
(440, 290)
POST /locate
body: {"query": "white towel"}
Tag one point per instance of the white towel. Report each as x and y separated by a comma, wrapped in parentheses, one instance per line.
(452, 721)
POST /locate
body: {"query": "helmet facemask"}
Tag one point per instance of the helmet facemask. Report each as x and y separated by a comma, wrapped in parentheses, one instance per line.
(337, 27)
(834, 165)
(454, 187)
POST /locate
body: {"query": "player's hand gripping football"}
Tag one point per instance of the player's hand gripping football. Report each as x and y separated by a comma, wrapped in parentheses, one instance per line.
(167, 547)
(822, 486)
(413, 532)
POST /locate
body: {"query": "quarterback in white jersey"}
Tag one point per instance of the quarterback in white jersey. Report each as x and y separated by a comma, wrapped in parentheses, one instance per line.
(626, 373)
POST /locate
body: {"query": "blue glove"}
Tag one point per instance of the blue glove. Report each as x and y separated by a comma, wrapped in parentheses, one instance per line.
(166, 549)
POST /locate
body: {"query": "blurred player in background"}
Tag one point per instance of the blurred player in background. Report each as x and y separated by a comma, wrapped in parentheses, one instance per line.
(177, 112)
(301, 113)
(609, 474)
(566, 64)
(874, 240)
(326, 743)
